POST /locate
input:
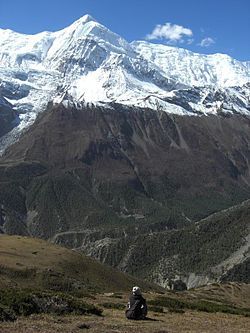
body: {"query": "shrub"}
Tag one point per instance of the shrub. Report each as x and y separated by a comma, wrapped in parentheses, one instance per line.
(6, 314)
(167, 302)
(16, 303)
(21, 302)
(176, 310)
(117, 306)
(175, 305)
(155, 308)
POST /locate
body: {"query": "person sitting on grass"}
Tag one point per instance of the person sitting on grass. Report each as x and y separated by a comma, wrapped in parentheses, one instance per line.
(137, 306)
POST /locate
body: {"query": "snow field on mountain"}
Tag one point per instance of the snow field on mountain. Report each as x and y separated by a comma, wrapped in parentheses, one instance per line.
(94, 65)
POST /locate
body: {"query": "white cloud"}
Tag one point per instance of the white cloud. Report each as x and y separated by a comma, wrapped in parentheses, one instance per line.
(206, 42)
(173, 33)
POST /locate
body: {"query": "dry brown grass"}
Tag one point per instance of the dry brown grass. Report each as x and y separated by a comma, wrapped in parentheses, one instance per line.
(114, 321)
(36, 264)
(236, 294)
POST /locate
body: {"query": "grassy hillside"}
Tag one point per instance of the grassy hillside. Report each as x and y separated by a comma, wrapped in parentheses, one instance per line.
(68, 292)
(217, 308)
(36, 264)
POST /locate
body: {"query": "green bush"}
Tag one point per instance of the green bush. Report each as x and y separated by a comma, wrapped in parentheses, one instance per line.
(167, 302)
(24, 303)
(116, 295)
(6, 314)
(212, 307)
(117, 306)
(176, 310)
(178, 306)
(21, 302)
(155, 308)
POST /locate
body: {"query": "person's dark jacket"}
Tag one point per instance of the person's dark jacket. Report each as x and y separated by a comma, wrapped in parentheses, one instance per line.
(137, 307)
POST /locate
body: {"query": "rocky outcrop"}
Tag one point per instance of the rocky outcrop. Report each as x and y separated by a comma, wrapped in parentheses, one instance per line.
(8, 118)
(176, 285)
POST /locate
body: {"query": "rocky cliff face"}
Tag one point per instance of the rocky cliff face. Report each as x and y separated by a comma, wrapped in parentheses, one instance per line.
(128, 186)
(8, 117)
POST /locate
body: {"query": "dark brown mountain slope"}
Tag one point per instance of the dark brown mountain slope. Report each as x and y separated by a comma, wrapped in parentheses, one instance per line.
(94, 177)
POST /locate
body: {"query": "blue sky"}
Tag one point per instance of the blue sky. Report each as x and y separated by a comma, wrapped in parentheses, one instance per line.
(204, 26)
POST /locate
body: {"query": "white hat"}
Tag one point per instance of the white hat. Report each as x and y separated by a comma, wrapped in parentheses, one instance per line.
(136, 290)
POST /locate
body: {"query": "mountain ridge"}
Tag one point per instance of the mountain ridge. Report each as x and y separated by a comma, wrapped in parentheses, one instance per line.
(94, 65)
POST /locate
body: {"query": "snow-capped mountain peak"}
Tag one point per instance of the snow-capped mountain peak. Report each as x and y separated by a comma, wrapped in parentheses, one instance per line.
(195, 69)
(93, 64)
(84, 19)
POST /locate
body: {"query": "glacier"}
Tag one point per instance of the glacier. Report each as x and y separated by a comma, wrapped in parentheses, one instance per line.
(88, 63)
